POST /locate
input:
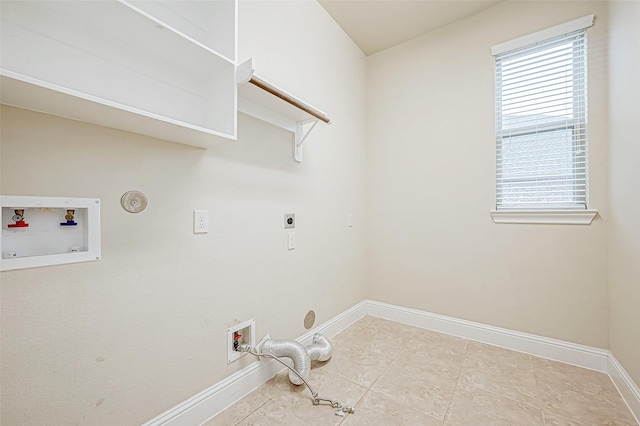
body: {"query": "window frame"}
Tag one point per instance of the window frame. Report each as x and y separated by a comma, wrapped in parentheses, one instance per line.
(569, 215)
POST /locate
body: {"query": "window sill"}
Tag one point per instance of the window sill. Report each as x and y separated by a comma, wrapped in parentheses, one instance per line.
(553, 217)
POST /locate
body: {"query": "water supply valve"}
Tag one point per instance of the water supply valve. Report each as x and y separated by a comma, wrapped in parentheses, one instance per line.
(239, 337)
(18, 218)
(236, 339)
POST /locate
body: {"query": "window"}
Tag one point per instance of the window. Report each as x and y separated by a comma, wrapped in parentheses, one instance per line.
(541, 120)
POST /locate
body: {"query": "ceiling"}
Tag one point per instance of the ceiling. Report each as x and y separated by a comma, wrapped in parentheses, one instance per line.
(375, 25)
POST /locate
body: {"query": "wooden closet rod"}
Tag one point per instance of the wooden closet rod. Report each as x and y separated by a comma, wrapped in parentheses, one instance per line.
(289, 99)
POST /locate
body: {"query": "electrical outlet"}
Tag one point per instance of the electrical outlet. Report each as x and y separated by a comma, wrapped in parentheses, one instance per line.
(200, 221)
(289, 220)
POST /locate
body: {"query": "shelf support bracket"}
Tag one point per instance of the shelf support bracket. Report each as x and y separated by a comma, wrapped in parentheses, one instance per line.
(300, 137)
(261, 99)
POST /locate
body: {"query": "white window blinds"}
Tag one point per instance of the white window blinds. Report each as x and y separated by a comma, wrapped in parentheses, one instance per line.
(541, 140)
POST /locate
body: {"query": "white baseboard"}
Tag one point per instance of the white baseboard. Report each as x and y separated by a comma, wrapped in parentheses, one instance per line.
(626, 386)
(205, 405)
(557, 350)
(208, 403)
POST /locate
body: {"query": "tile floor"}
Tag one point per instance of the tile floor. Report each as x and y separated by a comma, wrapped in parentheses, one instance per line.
(396, 374)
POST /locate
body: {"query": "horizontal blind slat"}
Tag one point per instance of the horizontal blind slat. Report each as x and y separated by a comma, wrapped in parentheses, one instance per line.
(541, 147)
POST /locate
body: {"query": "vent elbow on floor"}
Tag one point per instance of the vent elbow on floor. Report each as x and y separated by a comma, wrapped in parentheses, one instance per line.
(320, 350)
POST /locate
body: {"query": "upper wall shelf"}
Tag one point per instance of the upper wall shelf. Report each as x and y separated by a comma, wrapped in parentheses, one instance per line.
(161, 68)
(264, 100)
(211, 23)
(141, 66)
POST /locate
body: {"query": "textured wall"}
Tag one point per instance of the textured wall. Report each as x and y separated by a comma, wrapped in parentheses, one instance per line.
(624, 269)
(117, 342)
(121, 340)
(432, 243)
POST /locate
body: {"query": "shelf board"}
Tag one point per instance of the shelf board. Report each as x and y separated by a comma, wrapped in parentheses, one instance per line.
(270, 105)
(266, 101)
(194, 19)
(26, 93)
(113, 64)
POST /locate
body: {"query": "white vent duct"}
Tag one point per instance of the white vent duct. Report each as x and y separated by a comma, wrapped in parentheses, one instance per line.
(320, 350)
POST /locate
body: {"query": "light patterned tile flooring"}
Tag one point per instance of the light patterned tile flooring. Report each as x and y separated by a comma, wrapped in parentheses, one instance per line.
(395, 374)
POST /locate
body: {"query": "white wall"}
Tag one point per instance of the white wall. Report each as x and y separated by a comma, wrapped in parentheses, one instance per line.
(431, 242)
(117, 342)
(121, 340)
(624, 269)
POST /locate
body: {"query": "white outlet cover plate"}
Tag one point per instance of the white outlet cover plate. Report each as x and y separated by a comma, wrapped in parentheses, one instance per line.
(200, 221)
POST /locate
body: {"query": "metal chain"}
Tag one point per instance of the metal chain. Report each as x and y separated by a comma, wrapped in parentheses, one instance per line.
(340, 409)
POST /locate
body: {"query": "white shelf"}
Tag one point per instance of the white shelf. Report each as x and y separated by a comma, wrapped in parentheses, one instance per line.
(160, 68)
(113, 64)
(212, 23)
(264, 100)
(40, 96)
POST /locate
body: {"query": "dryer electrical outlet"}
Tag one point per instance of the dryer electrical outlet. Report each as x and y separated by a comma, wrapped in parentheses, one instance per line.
(289, 220)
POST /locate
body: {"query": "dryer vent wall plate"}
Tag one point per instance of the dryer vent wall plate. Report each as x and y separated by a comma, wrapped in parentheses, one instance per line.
(134, 201)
